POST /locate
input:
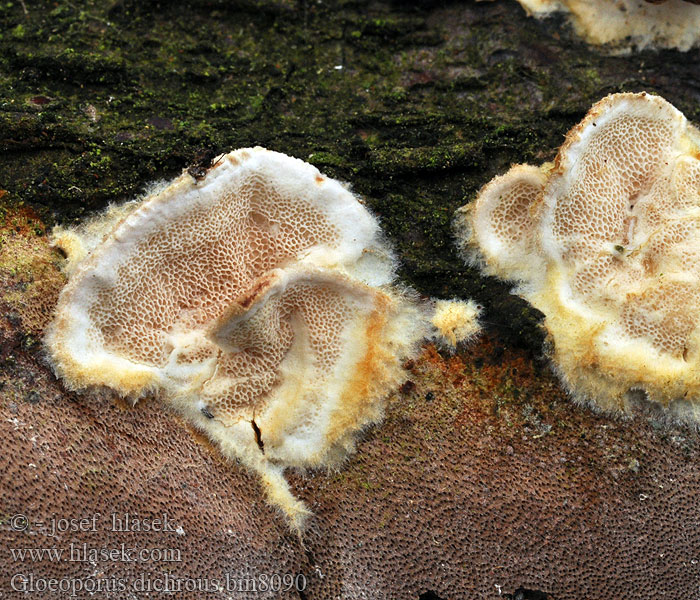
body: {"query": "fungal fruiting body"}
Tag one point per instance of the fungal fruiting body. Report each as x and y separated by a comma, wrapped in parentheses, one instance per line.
(625, 23)
(257, 301)
(606, 243)
(455, 321)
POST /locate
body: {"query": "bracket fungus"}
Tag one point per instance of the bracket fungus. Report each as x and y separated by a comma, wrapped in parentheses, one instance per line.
(606, 243)
(257, 301)
(624, 23)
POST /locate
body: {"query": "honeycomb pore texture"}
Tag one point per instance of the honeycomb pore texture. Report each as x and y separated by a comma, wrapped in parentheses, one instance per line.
(257, 301)
(609, 251)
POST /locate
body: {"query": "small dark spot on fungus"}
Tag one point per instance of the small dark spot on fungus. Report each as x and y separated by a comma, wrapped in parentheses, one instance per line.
(633, 200)
(203, 160)
(258, 436)
(197, 172)
(429, 396)
(207, 413)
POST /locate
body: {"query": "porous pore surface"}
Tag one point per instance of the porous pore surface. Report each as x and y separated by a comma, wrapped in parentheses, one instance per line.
(628, 23)
(608, 250)
(255, 300)
(181, 258)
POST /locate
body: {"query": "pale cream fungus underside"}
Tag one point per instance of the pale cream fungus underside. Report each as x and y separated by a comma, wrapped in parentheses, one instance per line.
(606, 243)
(622, 25)
(258, 302)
